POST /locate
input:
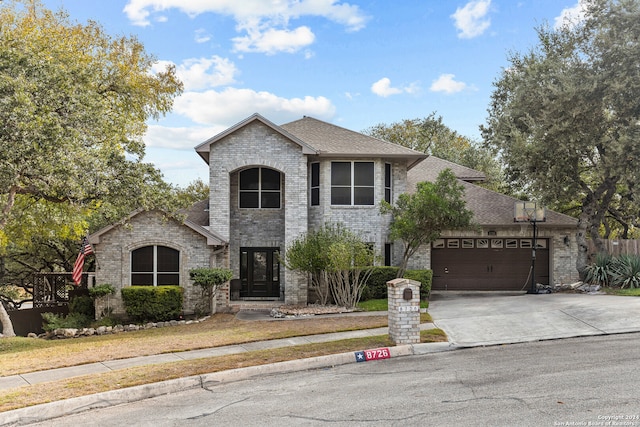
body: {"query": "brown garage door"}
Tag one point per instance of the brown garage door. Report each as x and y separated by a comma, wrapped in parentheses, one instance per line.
(487, 264)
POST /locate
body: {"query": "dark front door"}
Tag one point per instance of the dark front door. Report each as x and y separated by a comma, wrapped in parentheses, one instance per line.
(259, 272)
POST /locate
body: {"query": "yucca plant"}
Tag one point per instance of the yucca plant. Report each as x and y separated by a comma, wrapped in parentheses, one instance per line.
(599, 272)
(625, 271)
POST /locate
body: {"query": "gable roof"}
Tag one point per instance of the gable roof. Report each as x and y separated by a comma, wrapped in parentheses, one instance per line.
(334, 141)
(204, 148)
(489, 208)
(213, 238)
(323, 139)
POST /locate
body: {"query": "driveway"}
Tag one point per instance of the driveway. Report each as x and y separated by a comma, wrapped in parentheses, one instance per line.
(473, 319)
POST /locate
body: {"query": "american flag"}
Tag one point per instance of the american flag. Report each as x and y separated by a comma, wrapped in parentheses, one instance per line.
(85, 249)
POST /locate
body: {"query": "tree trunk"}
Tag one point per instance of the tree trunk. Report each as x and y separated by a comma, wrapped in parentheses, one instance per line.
(583, 247)
(7, 325)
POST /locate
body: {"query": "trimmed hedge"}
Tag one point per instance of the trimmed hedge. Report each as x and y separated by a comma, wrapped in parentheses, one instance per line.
(376, 287)
(424, 277)
(153, 303)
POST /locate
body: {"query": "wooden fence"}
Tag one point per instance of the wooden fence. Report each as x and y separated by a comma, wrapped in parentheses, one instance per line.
(617, 247)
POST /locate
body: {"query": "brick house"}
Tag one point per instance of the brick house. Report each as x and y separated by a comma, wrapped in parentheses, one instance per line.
(269, 184)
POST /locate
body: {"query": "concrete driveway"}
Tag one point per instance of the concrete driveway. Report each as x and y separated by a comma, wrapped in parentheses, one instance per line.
(473, 319)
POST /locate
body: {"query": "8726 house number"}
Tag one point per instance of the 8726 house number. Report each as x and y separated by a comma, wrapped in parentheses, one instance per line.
(374, 354)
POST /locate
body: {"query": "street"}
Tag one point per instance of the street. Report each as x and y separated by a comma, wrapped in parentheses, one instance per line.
(578, 381)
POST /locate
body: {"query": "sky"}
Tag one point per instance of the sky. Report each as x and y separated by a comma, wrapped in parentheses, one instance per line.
(353, 63)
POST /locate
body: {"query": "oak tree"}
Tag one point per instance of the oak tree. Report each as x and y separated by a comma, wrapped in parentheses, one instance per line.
(565, 116)
(74, 106)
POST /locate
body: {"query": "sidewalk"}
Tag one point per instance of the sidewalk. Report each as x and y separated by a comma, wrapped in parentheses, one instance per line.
(112, 365)
(34, 414)
(468, 319)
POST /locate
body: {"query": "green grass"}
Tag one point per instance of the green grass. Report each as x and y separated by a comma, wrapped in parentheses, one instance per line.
(623, 292)
(381, 305)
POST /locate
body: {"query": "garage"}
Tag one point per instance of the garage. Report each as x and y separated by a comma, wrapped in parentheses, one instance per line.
(488, 264)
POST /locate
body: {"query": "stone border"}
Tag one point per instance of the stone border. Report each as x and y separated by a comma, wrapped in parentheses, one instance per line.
(62, 333)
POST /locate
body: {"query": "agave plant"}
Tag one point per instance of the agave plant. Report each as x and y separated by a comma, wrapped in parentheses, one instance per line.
(625, 271)
(599, 272)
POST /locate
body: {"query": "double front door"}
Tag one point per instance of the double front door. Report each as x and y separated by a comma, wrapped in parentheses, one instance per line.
(260, 272)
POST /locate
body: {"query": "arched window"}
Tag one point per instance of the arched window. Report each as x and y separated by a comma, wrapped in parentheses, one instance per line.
(155, 266)
(260, 188)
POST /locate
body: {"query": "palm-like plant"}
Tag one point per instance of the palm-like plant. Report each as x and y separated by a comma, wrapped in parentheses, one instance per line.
(625, 271)
(599, 272)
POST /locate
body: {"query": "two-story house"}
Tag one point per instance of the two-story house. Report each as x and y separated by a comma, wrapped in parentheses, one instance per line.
(269, 184)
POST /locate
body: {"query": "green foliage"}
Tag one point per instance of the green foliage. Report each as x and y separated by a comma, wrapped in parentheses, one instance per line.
(101, 291)
(430, 135)
(421, 217)
(564, 117)
(210, 277)
(337, 260)
(625, 271)
(425, 278)
(376, 287)
(82, 304)
(153, 303)
(209, 280)
(51, 321)
(599, 272)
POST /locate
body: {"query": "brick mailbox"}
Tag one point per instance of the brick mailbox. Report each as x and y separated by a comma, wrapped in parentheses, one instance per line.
(404, 311)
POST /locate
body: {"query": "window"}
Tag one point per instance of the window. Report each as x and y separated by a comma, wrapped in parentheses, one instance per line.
(387, 182)
(315, 184)
(388, 254)
(352, 183)
(260, 188)
(155, 266)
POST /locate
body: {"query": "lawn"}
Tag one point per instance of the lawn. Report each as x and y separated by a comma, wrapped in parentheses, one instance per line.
(21, 355)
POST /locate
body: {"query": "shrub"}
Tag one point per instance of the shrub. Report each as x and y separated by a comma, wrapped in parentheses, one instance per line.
(424, 277)
(599, 272)
(51, 321)
(153, 303)
(101, 291)
(209, 280)
(625, 271)
(376, 287)
(82, 304)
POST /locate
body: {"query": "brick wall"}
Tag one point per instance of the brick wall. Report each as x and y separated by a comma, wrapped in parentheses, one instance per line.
(257, 145)
(113, 255)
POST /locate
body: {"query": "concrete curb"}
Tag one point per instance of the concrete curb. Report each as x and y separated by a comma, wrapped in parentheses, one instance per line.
(48, 411)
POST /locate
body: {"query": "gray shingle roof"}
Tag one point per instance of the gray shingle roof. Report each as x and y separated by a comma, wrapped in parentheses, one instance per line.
(489, 208)
(335, 141)
(428, 170)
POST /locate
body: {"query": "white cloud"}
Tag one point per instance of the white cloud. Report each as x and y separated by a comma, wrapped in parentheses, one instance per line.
(571, 15)
(446, 83)
(202, 36)
(272, 41)
(180, 138)
(265, 22)
(471, 20)
(203, 73)
(383, 88)
(231, 105)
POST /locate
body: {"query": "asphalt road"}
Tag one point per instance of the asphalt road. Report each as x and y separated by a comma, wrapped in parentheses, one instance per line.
(577, 381)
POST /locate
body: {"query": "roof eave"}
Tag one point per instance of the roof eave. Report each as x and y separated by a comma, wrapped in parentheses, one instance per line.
(204, 148)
